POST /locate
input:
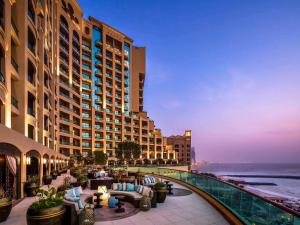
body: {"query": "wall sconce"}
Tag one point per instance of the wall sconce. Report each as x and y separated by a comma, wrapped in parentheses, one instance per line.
(51, 160)
(28, 160)
(45, 161)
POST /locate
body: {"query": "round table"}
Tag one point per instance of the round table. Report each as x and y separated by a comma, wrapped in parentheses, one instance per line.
(120, 204)
(98, 200)
(170, 188)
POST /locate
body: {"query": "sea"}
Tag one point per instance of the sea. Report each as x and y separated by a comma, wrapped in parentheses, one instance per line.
(285, 187)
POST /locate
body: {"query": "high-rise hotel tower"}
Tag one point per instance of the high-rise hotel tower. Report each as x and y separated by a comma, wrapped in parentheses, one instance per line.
(72, 85)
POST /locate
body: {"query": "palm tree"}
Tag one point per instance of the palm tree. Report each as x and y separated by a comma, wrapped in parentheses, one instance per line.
(128, 150)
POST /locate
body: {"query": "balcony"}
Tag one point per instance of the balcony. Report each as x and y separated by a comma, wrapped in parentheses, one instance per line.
(98, 54)
(15, 104)
(85, 47)
(2, 80)
(14, 26)
(15, 64)
(98, 43)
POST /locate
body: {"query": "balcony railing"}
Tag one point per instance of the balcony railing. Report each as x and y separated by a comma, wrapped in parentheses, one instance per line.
(248, 207)
(2, 79)
(14, 26)
(14, 64)
(14, 102)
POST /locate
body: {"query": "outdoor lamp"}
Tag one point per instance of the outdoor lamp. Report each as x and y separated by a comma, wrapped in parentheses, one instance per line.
(105, 196)
(28, 160)
(102, 189)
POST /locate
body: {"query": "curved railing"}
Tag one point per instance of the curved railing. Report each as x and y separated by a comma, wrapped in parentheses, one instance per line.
(248, 207)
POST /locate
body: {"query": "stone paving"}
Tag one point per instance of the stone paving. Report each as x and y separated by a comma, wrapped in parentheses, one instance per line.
(183, 210)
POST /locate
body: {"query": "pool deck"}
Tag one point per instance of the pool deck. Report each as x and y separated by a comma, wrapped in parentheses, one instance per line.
(181, 210)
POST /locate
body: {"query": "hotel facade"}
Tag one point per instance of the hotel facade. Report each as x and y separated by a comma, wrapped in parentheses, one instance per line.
(70, 85)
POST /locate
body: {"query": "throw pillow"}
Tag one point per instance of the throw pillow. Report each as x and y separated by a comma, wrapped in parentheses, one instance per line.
(129, 187)
(120, 187)
(141, 190)
(145, 180)
(115, 186)
(136, 187)
(70, 192)
(152, 180)
(124, 186)
(77, 191)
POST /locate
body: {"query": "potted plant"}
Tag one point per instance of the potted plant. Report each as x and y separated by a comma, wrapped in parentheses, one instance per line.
(161, 189)
(66, 184)
(5, 205)
(54, 174)
(47, 179)
(49, 208)
(31, 185)
(82, 181)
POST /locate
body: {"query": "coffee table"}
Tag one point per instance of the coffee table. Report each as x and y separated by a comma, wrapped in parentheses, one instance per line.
(98, 200)
(120, 204)
(170, 188)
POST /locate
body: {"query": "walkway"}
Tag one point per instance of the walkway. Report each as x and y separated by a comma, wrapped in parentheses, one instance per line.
(184, 210)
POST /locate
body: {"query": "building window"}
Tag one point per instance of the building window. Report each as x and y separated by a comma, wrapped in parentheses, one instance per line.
(30, 130)
(31, 71)
(31, 104)
(31, 41)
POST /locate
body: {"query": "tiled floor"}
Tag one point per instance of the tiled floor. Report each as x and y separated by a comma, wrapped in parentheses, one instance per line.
(185, 210)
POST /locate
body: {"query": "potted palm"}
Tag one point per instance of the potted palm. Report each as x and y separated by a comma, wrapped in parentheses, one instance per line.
(49, 208)
(54, 174)
(31, 185)
(47, 179)
(66, 184)
(5, 205)
(161, 189)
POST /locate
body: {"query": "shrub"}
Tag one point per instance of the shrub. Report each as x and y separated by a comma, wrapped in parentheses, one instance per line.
(48, 199)
(160, 185)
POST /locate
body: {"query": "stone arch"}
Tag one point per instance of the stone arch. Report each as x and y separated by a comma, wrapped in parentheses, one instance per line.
(46, 164)
(14, 180)
(33, 162)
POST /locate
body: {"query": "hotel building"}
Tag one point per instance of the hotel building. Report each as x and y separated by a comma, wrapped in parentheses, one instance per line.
(70, 85)
(182, 146)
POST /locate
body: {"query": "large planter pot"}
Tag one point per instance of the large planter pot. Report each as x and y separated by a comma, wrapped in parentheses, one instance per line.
(47, 180)
(5, 208)
(50, 216)
(161, 195)
(54, 175)
(83, 184)
(30, 189)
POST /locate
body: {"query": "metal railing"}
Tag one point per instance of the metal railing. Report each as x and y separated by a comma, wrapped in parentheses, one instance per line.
(2, 79)
(248, 207)
(14, 102)
(15, 27)
(14, 64)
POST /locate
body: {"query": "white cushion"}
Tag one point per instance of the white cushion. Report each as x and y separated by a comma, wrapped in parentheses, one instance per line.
(124, 186)
(115, 186)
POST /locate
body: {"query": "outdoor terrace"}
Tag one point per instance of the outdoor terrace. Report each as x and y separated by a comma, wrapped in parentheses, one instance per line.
(184, 210)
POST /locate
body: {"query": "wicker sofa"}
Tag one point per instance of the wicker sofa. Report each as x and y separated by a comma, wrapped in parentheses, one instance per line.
(133, 196)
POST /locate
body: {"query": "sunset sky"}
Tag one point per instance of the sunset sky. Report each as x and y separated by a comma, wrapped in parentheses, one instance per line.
(227, 70)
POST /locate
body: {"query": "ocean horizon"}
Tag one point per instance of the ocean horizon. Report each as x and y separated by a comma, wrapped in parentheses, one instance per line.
(285, 186)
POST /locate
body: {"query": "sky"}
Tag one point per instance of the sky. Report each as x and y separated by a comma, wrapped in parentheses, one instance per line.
(227, 70)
